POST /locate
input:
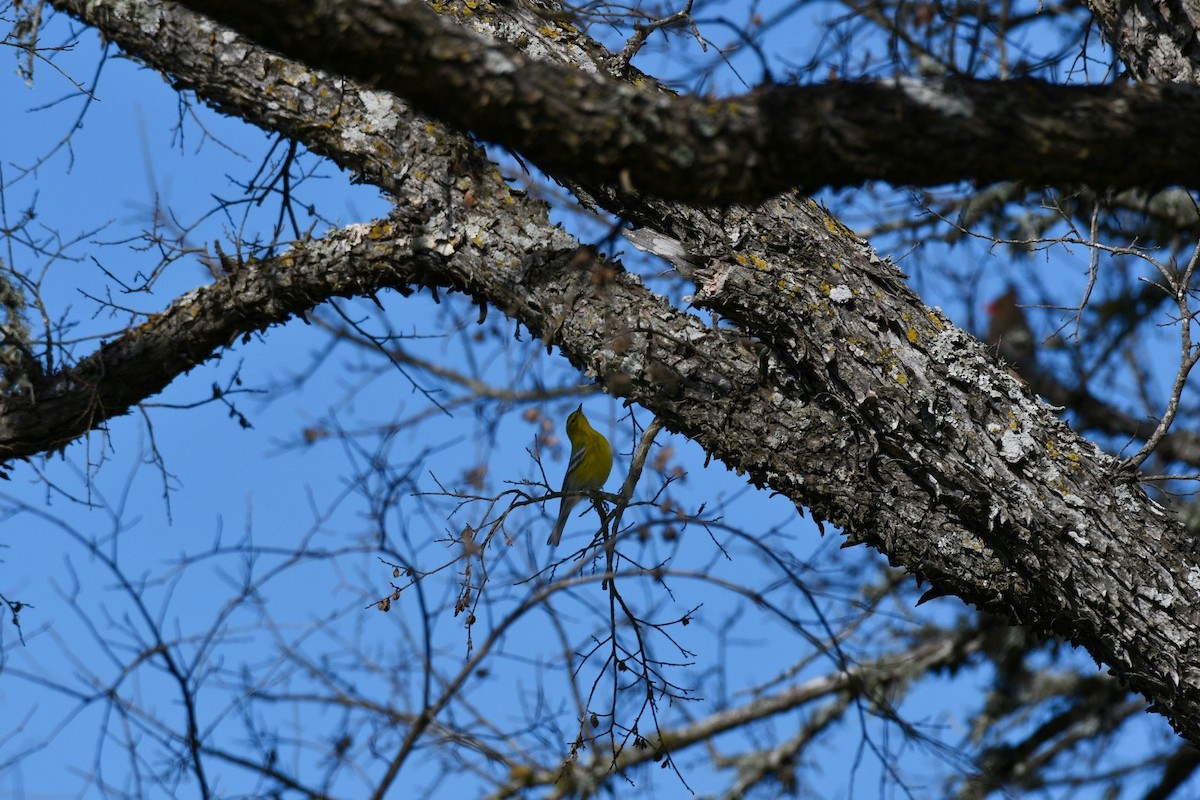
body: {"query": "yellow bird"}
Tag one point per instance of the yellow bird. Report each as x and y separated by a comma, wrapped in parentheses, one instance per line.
(591, 462)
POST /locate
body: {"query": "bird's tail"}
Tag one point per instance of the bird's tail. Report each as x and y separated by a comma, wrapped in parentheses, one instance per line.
(564, 512)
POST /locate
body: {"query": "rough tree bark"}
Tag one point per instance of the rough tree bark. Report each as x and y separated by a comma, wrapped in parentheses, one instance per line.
(1156, 40)
(599, 130)
(856, 401)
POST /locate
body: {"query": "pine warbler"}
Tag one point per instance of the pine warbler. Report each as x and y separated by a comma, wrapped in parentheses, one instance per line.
(591, 462)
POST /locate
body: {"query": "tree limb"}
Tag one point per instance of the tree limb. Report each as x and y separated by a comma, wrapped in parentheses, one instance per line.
(1156, 39)
(598, 130)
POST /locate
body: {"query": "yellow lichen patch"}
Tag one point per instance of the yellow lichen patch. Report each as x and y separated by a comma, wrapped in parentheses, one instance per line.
(971, 543)
(834, 226)
(1053, 451)
(145, 326)
(912, 335)
(759, 262)
(742, 259)
(380, 230)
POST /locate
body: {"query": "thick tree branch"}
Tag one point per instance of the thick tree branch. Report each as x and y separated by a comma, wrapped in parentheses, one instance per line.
(1156, 39)
(597, 130)
(859, 402)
